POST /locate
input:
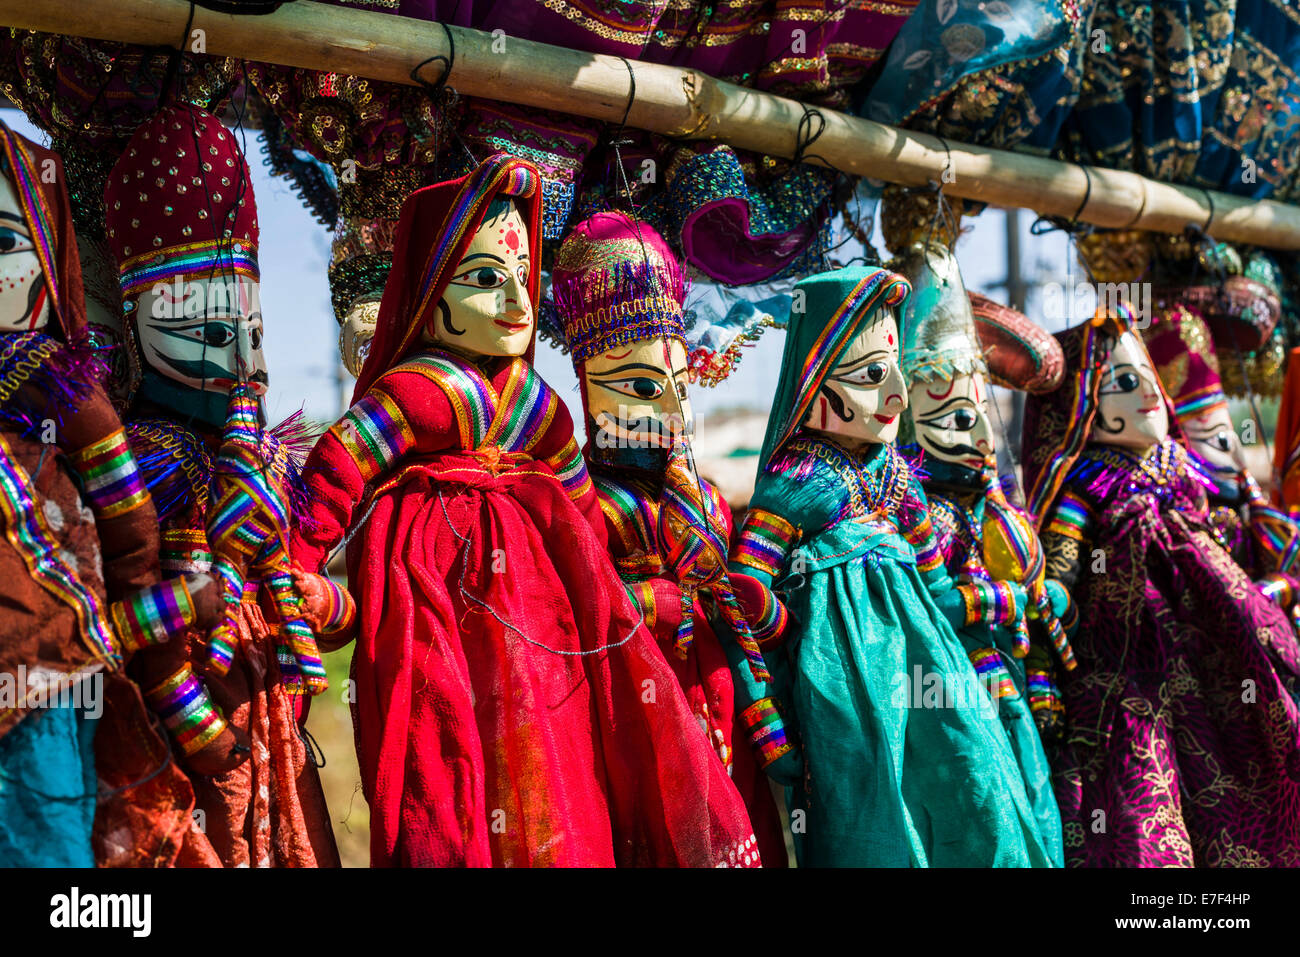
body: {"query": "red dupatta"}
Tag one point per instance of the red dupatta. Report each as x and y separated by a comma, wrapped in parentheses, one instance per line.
(436, 227)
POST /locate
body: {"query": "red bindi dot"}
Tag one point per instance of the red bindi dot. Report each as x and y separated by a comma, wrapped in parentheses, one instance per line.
(512, 241)
(891, 338)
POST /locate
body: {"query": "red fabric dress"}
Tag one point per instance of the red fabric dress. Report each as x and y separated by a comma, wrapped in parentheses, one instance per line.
(511, 709)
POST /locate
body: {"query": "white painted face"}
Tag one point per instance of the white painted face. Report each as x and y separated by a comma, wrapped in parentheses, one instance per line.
(951, 419)
(863, 396)
(636, 398)
(24, 296)
(486, 309)
(1213, 439)
(1131, 412)
(204, 334)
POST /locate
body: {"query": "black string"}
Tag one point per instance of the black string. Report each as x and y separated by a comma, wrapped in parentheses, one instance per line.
(435, 88)
(631, 96)
(1071, 226)
(173, 62)
(1209, 199)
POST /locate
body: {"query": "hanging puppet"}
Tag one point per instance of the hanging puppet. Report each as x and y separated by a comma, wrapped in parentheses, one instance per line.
(984, 539)
(511, 707)
(182, 223)
(906, 762)
(1259, 537)
(1181, 739)
(619, 292)
(79, 528)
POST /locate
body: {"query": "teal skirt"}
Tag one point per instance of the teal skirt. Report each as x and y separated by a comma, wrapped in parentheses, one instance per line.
(906, 760)
(47, 790)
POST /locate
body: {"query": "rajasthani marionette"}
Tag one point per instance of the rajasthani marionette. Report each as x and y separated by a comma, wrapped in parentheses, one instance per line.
(511, 708)
(182, 223)
(1182, 746)
(619, 292)
(906, 762)
(78, 529)
(1259, 537)
(987, 543)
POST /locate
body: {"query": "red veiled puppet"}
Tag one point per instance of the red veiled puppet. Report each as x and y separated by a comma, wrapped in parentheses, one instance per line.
(511, 709)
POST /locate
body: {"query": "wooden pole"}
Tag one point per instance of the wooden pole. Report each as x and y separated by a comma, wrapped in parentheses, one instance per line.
(669, 100)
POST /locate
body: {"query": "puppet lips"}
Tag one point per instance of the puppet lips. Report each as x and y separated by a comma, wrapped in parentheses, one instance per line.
(886, 419)
(511, 326)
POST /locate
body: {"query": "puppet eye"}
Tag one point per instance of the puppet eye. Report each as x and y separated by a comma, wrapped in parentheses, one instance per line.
(13, 242)
(873, 373)
(1122, 383)
(638, 388)
(481, 277)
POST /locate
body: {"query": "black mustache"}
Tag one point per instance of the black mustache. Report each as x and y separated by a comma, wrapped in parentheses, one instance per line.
(957, 449)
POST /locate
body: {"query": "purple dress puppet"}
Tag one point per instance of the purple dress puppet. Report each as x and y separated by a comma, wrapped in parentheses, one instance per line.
(1182, 746)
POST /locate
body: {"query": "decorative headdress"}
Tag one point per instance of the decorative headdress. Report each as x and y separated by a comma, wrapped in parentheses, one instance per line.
(1058, 423)
(938, 328)
(179, 203)
(436, 227)
(1020, 355)
(616, 281)
(1184, 356)
(837, 305)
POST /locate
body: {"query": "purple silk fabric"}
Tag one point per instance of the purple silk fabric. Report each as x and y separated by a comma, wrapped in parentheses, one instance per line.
(1184, 747)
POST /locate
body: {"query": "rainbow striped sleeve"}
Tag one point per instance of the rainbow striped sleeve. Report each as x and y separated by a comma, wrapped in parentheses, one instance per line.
(571, 470)
(110, 479)
(1071, 518)
(920, 535)
(375, 434)
(765, 540)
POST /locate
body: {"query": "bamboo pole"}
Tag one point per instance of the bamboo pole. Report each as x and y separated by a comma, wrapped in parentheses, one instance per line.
(668, 100)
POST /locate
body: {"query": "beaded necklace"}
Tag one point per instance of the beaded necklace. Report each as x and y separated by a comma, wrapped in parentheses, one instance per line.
(876, 488)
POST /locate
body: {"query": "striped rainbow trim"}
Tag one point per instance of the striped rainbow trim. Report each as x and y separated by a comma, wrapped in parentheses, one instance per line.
(154, 615)
(1071, 518)
(766, 731)
(375, 433)
(920, 535)
(531, 406)
(185, 708)
(992, 672)
(200, 260)
(1193, 404)
(634, 517)
(27, 531)
(473, 400)
(34, 205)
(765, 541)
(111, 481)
(571, 470)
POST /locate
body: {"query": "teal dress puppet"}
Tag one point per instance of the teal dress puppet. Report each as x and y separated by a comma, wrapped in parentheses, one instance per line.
(905, 760)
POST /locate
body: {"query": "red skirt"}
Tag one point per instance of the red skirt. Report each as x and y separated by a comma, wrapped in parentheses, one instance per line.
(511, 709)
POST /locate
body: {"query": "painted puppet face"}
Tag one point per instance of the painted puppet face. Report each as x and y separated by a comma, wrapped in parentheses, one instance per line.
(1131, 411)
(204, 334)
(951, 418)
(638, 397)
(1213, 439)
(863, 396)
(486, 310)
(24, 297)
